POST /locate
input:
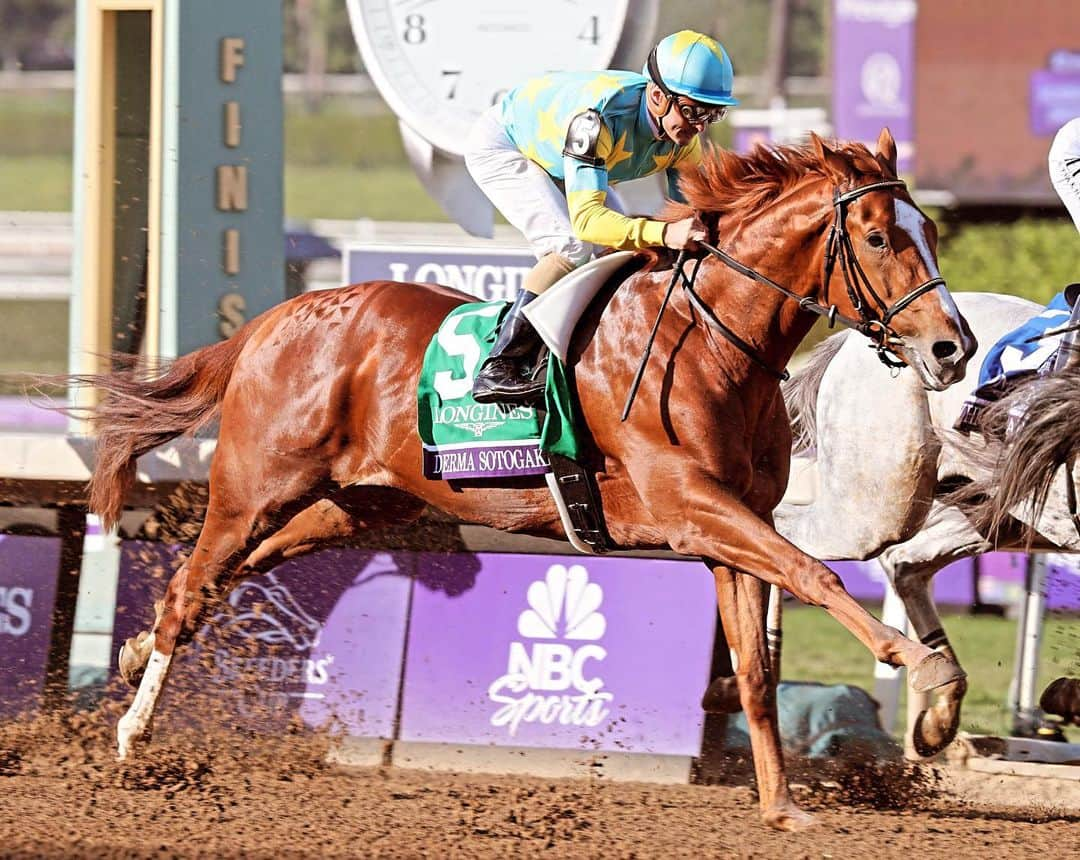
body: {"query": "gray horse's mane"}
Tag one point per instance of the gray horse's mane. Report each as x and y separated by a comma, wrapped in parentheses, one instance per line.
(1031, 434)
(801, 391)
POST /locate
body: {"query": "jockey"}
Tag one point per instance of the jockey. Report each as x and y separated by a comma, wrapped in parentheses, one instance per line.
(1064, 160)
(546, 154)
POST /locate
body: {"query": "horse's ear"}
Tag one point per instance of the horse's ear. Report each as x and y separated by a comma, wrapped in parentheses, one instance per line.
(836, 166)
(886, 151)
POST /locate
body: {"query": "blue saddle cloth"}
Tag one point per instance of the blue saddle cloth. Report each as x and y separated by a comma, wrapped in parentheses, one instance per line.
(1022, 353)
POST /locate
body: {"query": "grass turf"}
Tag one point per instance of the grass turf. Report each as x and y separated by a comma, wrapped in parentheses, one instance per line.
(817, 648)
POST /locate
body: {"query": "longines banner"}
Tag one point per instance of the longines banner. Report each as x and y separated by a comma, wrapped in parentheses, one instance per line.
(28, 568)
(487, 273)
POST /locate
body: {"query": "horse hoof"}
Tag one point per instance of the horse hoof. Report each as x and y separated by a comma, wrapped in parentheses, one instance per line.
(722, 697)
(933, 671)
(788, 818)
(133, 657)
(928, 738)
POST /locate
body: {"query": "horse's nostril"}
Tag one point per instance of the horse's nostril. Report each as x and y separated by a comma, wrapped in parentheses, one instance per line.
(942, 349)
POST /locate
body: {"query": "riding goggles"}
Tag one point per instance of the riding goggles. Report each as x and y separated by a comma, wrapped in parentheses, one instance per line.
(700, 114)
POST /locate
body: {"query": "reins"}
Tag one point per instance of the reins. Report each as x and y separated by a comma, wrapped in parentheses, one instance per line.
(838, 249)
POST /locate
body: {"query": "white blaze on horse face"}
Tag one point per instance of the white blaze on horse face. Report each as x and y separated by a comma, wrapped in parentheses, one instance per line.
(913, 222)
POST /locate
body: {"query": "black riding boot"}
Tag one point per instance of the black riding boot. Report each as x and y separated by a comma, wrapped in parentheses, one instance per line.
(503, 377)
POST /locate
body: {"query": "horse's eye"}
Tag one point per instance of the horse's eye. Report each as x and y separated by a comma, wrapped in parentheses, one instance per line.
(875, 240)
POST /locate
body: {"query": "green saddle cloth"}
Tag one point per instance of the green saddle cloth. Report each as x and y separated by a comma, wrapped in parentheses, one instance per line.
(466, 439)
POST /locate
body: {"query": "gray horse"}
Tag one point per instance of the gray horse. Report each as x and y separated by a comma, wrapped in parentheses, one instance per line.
(894, 482)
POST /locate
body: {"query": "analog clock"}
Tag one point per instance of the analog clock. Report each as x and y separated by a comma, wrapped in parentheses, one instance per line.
(440, 63)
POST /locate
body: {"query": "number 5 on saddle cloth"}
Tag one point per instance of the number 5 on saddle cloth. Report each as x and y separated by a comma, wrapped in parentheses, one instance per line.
(466, 440)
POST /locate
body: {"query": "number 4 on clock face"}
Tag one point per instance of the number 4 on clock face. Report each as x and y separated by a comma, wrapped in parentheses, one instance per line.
(440, 63)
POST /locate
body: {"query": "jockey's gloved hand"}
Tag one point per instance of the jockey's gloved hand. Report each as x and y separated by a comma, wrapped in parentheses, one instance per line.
(684, 234)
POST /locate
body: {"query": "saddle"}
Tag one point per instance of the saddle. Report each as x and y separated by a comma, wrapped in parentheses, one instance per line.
(466, 440)
(1033, 349)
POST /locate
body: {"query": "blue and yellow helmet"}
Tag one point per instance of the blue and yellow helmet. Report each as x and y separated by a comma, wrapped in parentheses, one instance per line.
(693, 65)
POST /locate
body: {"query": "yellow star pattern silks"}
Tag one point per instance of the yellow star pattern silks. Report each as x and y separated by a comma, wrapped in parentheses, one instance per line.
(536, 116)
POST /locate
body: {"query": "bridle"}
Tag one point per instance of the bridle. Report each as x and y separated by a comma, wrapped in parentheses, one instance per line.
(839, 252)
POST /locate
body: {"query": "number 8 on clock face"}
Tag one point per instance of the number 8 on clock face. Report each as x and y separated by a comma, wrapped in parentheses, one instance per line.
(440, 63)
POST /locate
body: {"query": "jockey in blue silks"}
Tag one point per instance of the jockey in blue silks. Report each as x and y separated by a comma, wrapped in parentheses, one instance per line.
(1028, 349)
(547, 154)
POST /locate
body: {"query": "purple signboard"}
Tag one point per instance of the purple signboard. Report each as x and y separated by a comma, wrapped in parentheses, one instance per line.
(320, 638)
(1000, 580)
(23, 415)
(28, 568)
(488, 273)
(865, 580)
(1003, 576)
(1055, 99)
(873, 72)
(562, 652)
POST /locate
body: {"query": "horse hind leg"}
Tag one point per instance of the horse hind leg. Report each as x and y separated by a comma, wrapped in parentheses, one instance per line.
(184, 599)
(338, 519)
(334, 519)
(238, 515)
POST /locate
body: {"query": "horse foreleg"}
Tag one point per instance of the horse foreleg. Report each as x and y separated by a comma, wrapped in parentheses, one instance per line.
(718, 525)
(911, 566)
(742, 608)
(722, 695)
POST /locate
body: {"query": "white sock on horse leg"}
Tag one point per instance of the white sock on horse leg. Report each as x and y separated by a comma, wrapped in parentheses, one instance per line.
(135, 722)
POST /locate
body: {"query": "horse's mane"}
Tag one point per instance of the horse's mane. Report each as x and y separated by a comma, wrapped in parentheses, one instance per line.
(733, 184)
(801, 393)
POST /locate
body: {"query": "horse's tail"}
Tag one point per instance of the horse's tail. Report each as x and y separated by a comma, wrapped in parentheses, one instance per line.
(1040, 425)
(138, 413)
(801, 391)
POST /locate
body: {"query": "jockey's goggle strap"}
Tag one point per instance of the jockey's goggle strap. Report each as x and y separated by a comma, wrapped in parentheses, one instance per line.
(696, 114)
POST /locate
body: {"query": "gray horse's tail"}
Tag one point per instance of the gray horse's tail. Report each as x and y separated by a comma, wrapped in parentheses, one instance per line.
(1038, 428)
(801, 391)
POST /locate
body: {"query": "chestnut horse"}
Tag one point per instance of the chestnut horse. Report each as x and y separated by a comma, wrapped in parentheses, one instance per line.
(318, 416)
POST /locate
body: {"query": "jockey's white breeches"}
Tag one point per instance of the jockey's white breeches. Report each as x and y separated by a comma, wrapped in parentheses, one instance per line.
(1064, 162)
(524, 192)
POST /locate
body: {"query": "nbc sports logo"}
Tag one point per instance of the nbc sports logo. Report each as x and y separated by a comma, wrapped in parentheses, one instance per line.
(548, 680)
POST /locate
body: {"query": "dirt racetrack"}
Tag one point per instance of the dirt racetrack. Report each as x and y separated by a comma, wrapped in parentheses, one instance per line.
(63, 795)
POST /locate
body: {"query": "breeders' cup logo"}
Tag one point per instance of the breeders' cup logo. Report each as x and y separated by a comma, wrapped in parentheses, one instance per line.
(548, 680)
(267, 612)
(881, 81)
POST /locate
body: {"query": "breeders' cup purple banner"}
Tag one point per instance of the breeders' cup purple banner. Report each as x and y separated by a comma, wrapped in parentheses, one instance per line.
(873, 72)
(1055, 99)
(320, 638)
(489, 273)
(563, 652)
(28, 567)
(1001, 577)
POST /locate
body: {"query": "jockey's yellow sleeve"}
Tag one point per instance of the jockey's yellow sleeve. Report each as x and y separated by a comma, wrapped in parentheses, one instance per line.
(537, 116)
